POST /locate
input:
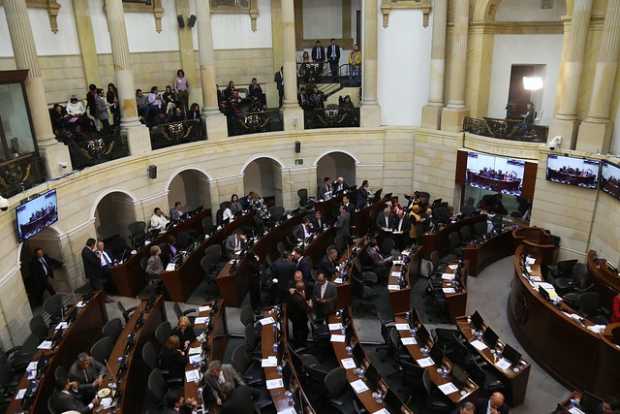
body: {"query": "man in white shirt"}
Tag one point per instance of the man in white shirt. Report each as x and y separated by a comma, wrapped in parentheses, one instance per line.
(333, 56)
(75, 107)
(104, 257)
(158, 220)
(303, 231)
(324, 295)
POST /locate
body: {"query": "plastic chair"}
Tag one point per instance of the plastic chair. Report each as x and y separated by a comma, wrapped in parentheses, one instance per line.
(102, 349)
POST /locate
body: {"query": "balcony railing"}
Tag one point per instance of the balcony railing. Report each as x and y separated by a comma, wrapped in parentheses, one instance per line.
(316, 73)
(88, 147)
(512, 129)
(332, 116)
(268, 120)
(175, 133)
(20, 174)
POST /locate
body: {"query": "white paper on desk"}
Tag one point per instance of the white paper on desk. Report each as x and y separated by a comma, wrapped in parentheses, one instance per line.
(575, 410)
(447, 276)
(195, 359)
(204, 308)
(359, 386)
(381, 411)
(45, 345)
(203, 320)
(448, 290)
(530, 260)
(267, 321)
(393, 287)
(397, 262)
(348, 363)
(397, 274)
(448, 388)
(269, 362)
(479, 345)
(80, 304)
(32, 366)
(193, 351)
(337, 338)
(503, 363)
(425, 362)
(338, 280)
(410, 340)
(289, 410)
(192, 376)
(20, 394)
(62, 325)
(106, 402)
(274, 383)
(599, 329)
(402, 326)
(452, 266)
(335, 326)
(170, 267)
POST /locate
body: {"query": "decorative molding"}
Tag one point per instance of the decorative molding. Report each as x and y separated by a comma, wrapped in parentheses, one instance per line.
(238, 7)
(253, 13)
(155, 8)
(345, 42)
(550, 27)
(388, 5)
(52, 8)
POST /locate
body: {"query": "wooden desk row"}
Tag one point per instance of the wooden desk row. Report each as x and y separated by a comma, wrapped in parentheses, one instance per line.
(603, 273)
(563, 344)
(82, 332)
(439, 241)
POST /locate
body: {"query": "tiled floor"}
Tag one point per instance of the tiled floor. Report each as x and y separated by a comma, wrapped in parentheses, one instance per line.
(488, 294)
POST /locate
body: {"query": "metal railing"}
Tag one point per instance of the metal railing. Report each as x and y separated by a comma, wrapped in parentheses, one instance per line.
(332, 116)
(512, 129)
(20, 174)
(176, 133)
(348, 75)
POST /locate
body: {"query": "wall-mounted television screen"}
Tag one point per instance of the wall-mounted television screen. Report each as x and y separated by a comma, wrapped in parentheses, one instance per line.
(33, 216)
(581, 172)
(499, 174)
(610, 179)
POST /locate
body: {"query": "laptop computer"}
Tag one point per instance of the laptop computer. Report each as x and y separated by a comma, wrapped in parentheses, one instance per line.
(490, 338)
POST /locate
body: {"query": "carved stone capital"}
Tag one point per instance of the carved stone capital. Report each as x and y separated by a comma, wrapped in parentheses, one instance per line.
(388, 5)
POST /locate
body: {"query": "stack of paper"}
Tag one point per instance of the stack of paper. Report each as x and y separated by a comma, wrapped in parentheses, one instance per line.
(335, 326)
(447, 276)
(270, 361)
(395, 274)
(409, 341)
(45, 345)
(448, 388)
(393, 287)
(425, 362)
(402, 326)
(338, 280)
(274, 383)
(195, 359)
(193, 351)
(204, 309)
(359, 386)
(267, 321)
(337, 338)
(479, 345)
(452, 266)
(348, 363)
(203, 320)
(503, 363)
(192, 376)
(448, 290)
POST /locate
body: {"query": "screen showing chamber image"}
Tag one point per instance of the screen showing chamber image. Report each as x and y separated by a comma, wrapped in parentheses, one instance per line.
(610, 179)
(581, 172)
(35, 215)
(502, 175)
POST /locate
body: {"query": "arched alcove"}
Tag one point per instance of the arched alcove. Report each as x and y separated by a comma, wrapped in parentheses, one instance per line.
(49, 241)
(336, 164)
(264, 176)
(113, 214)
(190, 188)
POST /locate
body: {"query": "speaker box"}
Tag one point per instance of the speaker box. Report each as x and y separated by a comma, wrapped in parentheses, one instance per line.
(181, 21)
(152, 171)
(297, 147)
(191, 22)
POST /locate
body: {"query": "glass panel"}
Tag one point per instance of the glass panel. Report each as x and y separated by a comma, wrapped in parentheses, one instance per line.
(14, 116)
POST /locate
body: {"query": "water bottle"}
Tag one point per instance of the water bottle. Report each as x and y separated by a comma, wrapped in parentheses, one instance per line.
(291, 400)
(348, 349)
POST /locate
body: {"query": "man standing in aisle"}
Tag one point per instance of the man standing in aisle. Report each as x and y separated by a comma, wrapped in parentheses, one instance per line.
(333, 56)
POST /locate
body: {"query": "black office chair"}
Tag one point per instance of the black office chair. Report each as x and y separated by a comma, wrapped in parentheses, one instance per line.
(249, 369)
(435, 400)
(247, 316)
(590, 307)
(38, 328)
(160, 394)
(252, 338)
(137, 234)
(163, 332)
(149, 355)
(102, 349)
(8, 379)
(302, 193)
(340, 396)
(60, 375)
(126, 312)
(112, 328)
(50, 404)
(387, 245)
(186, 312)
(480, 229)
(466, 234)
(53, 307)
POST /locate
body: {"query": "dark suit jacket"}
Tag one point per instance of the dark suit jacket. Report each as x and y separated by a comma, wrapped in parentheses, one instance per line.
(240, 402)
(92, 265)
(279, 80)
(362, 198)
(299, 231)
(343, 224)
(305, 266)
(69, 402)
(84, 378)
(318, 54)
(327, 267)
(330, 296)
(298, 309)
(188, 335)
(381, 221)
(481, 407)
(283, 269)
(328, 51)
(351, 208)
(315, 224)
(173, 362)
(36, 268)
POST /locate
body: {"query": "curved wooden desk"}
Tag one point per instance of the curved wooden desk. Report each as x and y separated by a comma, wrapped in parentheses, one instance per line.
(537, 242)
(439, 242)
(79, 336)
(602, 272)
(573, 354)
(399, 282)
(455, 293)
(479, 255)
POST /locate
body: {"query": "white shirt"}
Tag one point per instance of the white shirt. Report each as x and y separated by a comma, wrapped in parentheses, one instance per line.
(323, 289)
(44, 264)
(228, 215)
(75, 108)
(306, 232)
(159, 222)
(104, 258)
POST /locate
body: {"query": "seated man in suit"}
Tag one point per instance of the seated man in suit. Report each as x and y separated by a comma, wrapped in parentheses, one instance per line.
(88, 373)
(41, 271)
(176, 212)
(329, 262)
(172, 358)
(222, 380)
(304, 230)
(318, 223)
(234, 243)
(69, 399)
(495, 404)
(381, 264)
(385, 219)
(324, 296)
(158, 220)
(465, 408)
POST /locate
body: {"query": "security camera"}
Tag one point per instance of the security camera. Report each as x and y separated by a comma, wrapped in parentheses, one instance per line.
(4, 204)
(63, 165)
(554, 143)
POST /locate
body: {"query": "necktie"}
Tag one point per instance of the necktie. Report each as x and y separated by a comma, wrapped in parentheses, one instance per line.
(106, 260)
(44, 264)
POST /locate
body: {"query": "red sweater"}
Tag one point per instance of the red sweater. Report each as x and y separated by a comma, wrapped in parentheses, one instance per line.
(615, 309)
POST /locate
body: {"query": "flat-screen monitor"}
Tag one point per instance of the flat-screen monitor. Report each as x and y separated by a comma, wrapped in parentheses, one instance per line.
(610, 179)
(498, 174)
(34, 215)
(581, 172)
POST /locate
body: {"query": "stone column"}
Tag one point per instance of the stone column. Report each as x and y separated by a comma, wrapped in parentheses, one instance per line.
(138, 136)
(595, 131)
(431, 113)
(217, 127)
(452, 116)
(186, 52)
(53, 152)
(564, 123)
(86, 38)
(291, 111)
(370, 111)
